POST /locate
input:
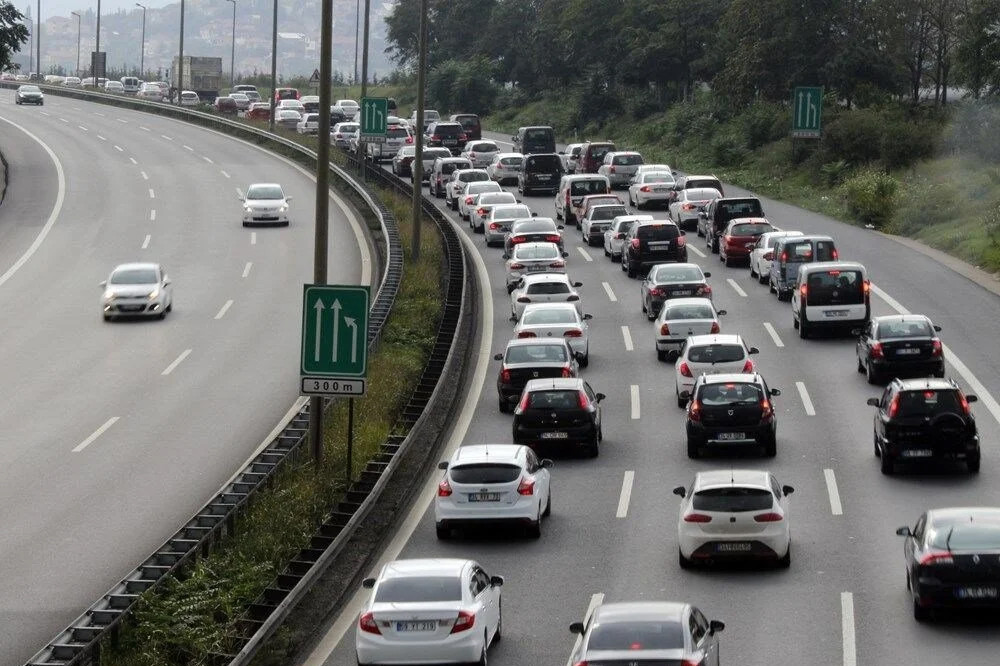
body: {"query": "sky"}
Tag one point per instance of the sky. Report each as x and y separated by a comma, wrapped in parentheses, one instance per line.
(64, 7)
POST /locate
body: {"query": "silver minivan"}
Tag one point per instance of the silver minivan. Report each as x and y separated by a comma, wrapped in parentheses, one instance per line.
(831, 294)
(793, 252)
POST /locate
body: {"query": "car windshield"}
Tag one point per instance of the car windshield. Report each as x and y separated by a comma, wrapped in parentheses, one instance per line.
(626, 160)
(701, 194)
(971, 535)
(749, 229)
(511, 213)
(265, 192)
(426, 589)
(484, 473)
(540, 251)
(730, 393)
(608, 212)
(537, 354)
(550, 316)
(732, 499)
(658, 232)
(636, 635)
(674, 312)
(677, 274)
(717, 353)
(548, 288)
(579, 188)
(496, 198)
(31, 89)
(835, 287)
(905, 329)
(134, 276)
(928, 402)
(555, 400)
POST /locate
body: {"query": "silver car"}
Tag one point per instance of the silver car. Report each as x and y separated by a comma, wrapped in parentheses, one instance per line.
(684, 210)
(547, 320)
(308, 124)
(427, 158)
(242, 100)
(531, 258)
(265, 203)
(480, 153)
(544, 288)
(457, 182)
(571, 157)
(647, 632)
(500, 219)
(137, 290)
(467, 196)
(505, 167)
(614, 237)
(396, 137)
(651, 187)
(597, 221)
(481, 207)
(619, 166)
(287, 118)
(762, 253)
(680, 318)
(341, 134)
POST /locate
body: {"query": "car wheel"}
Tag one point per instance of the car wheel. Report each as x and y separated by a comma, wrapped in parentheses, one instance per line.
(498, 634)
(443, 532)
(548, 506)
(888, 464)
(585, 361)
(693, 449)
(631, 271)
(661, 355)
(861, 367)
(684, 562)
(973, 464)
(803, 329)
(752, 273)
(771, 446)
(622, 264)
(593, 446)
(482, 658)
(682, 402)
(650, 315)
(535, 527)
(697, 230)
(872, 374)
(920, 613)
(606, 253)
(770, 287)
(715, 247)
(503, 405)
(762, 278)
(786, 561)
(878, 451)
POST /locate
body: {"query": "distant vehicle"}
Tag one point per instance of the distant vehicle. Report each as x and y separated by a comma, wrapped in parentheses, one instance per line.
(533, 140)
(480, 153)
(592, 155)
(544, 288)
(202, 74)
(614, 236)
(310, 103)
(265, 203)
(131, 84)
(226, 105)
(731, 410)
(457, 181)
(286, 93)
(252, 95)
(114, 87)
(720, 211)
(562, 412)
(137, 290)
(528, 358)
(679, 319)
(151, 92)
(430, 116)
(470, 122)
(831, 295)
(547, 320)
(739, 237)
(649, 243)
(396, 136)
(245, 88)
(899, 345)
(402, 161)
(293, 104)
(309, 124)
(348, 107)
(620, 167)
(505, 167)
(710, 354)
(666, 281)
(540, 171)
(762, 252)
(341, 134)
(29, 94)
(242, 101)
(650, 187)
(447, 134)
(259, 111)
(689, 203)
(287, 118)
(71, 82)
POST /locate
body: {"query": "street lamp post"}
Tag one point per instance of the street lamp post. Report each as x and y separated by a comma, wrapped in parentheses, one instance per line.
(274, 63)
(142, 48)
(38, 42)
(77, 15)
(97, 45)
(179, 74)
(232, 58)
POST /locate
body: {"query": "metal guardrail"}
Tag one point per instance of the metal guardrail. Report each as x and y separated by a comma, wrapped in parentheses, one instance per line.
(5, 175)
(80, 642)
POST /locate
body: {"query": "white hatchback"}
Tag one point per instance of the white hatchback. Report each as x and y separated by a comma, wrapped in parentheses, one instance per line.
(480, 153)
(487, 484)
(505, 167)
(423, 611)
(137, 290)
(710, 355)
(544, 288)
(734, 514)
(467, 197)
(679, 319)
(529, 258)
(546, 320)
(763, 252)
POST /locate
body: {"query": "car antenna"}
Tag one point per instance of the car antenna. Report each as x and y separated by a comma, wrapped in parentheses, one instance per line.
(947, 541)
(732, 476)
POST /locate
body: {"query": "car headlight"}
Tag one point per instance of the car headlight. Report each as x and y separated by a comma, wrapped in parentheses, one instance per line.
(247, 209)
(108, 295)
(283, 209)
(153, 294)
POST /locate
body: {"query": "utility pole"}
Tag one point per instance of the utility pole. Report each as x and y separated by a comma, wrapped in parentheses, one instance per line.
(321, 239)
(38, 41)
(77, 15)
(232, 63)
(97, 44)
(364, 52)
(419, 129)
(179, 74)
(357, 36)
(142, 48)
(274, 63)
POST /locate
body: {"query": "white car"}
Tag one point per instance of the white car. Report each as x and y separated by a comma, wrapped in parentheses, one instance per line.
(480, 153)
(150, 92)
(505, 167)
(651, 187)
(717, 354)
(544, 288)
(497, 224)
(689, 203)
(71, 82)
(441, 611)
(457, 182)
(645, 168)
(137, 290)
(571, 157)
(308, 124)
(763, 252)
(598, 220)
(287, 118)
(467, 197)
(528, 258)
(731, 514)
(485, 484)
(291, 104)
(614, 237)
(348, 107)
(265, 203)
(619, 166)
(241, 99)
(116, 88)
(396, 136)
(546, 320)
(341, 134)
(483, 205)
(188, 97)
(679, 319)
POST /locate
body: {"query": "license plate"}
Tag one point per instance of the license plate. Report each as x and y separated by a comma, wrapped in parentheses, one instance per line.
(739, 547)
(917, 453)
(555, 435)
(976, 593)
(484, 497)
(543, 176)
(450, 142)
(834, 313)
(732, 435)
(683, 292)
(905, 352)
(416, 626)
(659, 246)
(535, 269)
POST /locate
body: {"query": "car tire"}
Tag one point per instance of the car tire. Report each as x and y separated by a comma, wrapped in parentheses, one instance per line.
(650, 315)
(771, 446)
(920, 614)
(606, 253)
(682, 402)
(715, 247)
(752, 273)
(593, 446)
(973, 464)
(631, 271)
(888, 465)
(443, 532)
(786, 561)
(693, 449)
(482, 658)
(498, 634)
(622, 264)
(770, 287)
(503, 405)
(534, 529)
(861, 367)
(661, 355)
(548, 506)
(684, 562)
(873, 376)
(803, 329)
(878, 451)
(762, 279)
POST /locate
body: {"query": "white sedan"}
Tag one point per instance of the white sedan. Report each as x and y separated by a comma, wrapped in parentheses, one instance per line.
(467, 197)
(505, 167)
(710, 355)
(614, 237)
(486, 484)
(763, 252)
(528, 258)
(681, 318)
(544, 288)
(546, 320)
(734, 514)
(685, 208)
(651, 187)
(265, 203)
(429, 611)
(480, 153)
(484, 204)
(457, 181)
(137, 290)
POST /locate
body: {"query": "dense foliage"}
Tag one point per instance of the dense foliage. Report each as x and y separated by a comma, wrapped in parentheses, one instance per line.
(13, 32)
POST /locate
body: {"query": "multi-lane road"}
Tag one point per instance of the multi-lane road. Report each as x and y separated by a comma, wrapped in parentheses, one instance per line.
(114, 434)
(612, 534)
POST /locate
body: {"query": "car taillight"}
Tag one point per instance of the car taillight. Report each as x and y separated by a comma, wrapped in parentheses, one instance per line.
(409, 139)
(516, 267)
(877, 350)
(715, 327)
(697, 518)
(803, 291)
(517, 239)
(936, 348)
(965, 403)
(557, 264)
(567, 198)
(656, 291)
(524, 403)
(766, 410)
(645, 188)
(688, 206)
(472, 156)
(494, 226)
(894, 406)
(567, 372)
(462, 137)
(784, 256)
(664, 329)
(468, 201)
(769, 517)
(611, 169)
(505, 376)
(635, 243)
(704, 289)
(552, 239)
(463, 622)
(582, 400)
(573, 333)
(768, 256)
(694, 410)
(582, 663)
(527, 486)
(681, 241)
(481, 211)
(748, 366)
(936, 558)
(835, 255)
(527, 334)
(685, 370)
(367, 623)
(444, 488)
(435, 137)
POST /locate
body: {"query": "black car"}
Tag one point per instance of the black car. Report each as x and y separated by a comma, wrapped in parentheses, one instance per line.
(953, 560)
(925, 420)
(534, 140)
(559, 412)
(531, 358)
(29, 95)
(652, 242)
(447, 134)
(540, 172)
(667, 281)
(731, 409)
(533, 230)
(899, 345)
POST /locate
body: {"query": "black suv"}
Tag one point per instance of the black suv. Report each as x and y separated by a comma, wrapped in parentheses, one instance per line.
(534, 140)
(540, 172)
(731, 409)
(559, 412)
(898, 345)
(652, 242)
(527, 359)
(448, 134)
(925, 419)
(719, 212)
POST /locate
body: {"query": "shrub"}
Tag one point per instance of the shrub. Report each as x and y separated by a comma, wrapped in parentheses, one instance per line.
(834, 172)
(726, 150)
(764, 123)
(871, 196)
(905, 142)
(924, 203)
(854, 137)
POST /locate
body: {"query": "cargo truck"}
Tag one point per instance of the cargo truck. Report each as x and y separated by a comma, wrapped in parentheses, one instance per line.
(203, 75)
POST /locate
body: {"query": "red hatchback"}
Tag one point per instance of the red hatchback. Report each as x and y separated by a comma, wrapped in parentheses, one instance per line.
(739, 238)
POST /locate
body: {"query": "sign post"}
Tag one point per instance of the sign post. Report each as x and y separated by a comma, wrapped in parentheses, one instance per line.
(807, 113)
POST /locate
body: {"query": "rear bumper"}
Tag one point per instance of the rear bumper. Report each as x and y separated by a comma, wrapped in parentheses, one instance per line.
(724, 547)
(905, 368)
(911, 451)
(462, 648)
(534, 435)
(956, 595)
(755, 435)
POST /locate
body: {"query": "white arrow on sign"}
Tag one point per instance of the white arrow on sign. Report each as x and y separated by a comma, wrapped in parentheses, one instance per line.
(351, 323)
(336, 327)
(319, 307)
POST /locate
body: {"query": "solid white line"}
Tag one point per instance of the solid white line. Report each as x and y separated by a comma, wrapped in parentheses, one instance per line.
(738, 288)
(224, 309)
(609, 292)
(246, 269)
(253, 237)
(696, 251)
(45, 113)
(101, 137)
(56, 208)
(177, 361)
(831, 490)
(145, 243)
(76, 108)
(152, 215)
(627, 336)
(207, 159)
(634, 389)
(595, 601)
(119, 149)
(586, 255)
(144, 129)
(626, 494)
(774, 334)
(847, 624)
(131, 159)
(152, 194)
(225, 173)
(121, 120)
(807, 402)
(166, 137)
(83, 128)
(145, 176)
(97, 433)
(188, 148)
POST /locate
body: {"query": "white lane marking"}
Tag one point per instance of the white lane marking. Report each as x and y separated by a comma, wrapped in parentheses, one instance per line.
(76, 108)
(121, 120)
(152, 194)
(595, 601)
(145, 176)
(102, 138)
(225, 308)
(634, 389)
(131, 159)
(177, 361)
(144, 129)
(774, 334)
(847, 625)
(152, 215)
(239, 193)
(207, 159)
(253, 237)
(626, 494)
(736, 287)
(119, 149)
(831, 490)
(961, 368)
(246, 269)
(807, 402)
(609, 292)
(83, 128)
(627, 336)
(696, 251)
(45, 113)
(164, 136)
(97, 433)
(188, 148)
(225, 173)
(98, 113)
(586, 255)
(56, 208)
(145, 243)
(64, 120)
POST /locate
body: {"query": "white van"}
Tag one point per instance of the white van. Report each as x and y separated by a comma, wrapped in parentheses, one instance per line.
(131, 84)
(831, 294)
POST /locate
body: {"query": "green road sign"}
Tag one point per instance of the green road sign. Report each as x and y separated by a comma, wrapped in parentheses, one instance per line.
(374, 112)
(807, 112)
(334, 337)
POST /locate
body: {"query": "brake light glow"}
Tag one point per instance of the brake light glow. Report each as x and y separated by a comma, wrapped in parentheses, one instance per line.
(965, 403)
(557, 264)
(694, 410)
(877, 351)
(767, 412)
(784, 256)
(685, 370)
(688, 206)
(867, 286)
(573, 333)
(367, 623)
(645, 188)
(527, 334)
(505, 376)
(517, 239)
(468, 201)
(769, 517)
(444, 488)
(936, 348)
(409, 139)
(524, 403)
(550, 239)
(516, 266)
(833, 273)
(463, 622)
(494, 226)
(697, 518)
(936, 558)
(664, 329)
(681, 241)
(481, 211)
(582, 400)
(573, 297)
(611, 169)
(836, 255)
(527, 486)
(567, 372)
(894, 406)
(803, 291)
(704, 289)
(435, 137)
(748, 366)
(715, 327)
(635, 243)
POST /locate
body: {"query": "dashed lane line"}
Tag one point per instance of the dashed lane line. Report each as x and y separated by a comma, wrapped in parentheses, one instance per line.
(224, 309)
(626, 494)
(207, 159)
(188, 148)
(774, 334)
(225, 173)
(177, 361)
(610, 292)
(634, 389)
(847, 627)
(595, 601)
(834, 494)
(145, 243)
(121, 120)
(152, 215)
(144, 129)
(807, 402)
(81, 127)
(164, 136)
(145, 176)
(586, 255)
(696, 251)
(102, 138)
(737, 288)
(246, 269)
(132, 160)
(97, 433)
(627, 337)
(119, 149)
(64, 120)
(253, 237)
(152, 194)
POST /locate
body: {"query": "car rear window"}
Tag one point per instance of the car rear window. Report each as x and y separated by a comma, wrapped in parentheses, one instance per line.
(703, 183)
(554, 400)
(928, 402)
(448, 130)
(798, 252)
(636, 635)
(536, 354)
(905, 329)
(598, 152)
(484, 148)
(608, 212)
(484, 473)
(750, 229)
(658, 232)
(511, 161)
(688, 312)
(657, 178)
(539, 134)
(745, 208)
(971, 536)
(511, 213)
(550, 316)
(468, 121)
(627, 160)
(543, 163)
(717, 353)
(535, 227)
(603, 201)
(423, 588)
(729, 393)
(396, 133)
(536, 251)
(677, 274)
(483, 187)
(496, 198)
(835, 287)
(548, 288)
(448, 167)
(474, 177)
(431, 154)
(580, 188)
(732, 499)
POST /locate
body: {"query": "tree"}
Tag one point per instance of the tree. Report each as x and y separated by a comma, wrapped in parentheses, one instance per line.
(13, 33)
(977, 54)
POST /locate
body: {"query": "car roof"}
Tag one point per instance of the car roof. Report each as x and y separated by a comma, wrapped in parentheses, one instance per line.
(927, 383)
(524, 342)
(438, 566)
(646, 223)
(715, 338)
(730, 378)
(472, 453)
(136, 264)
(532, 278)
(717, 478)
(780, 234)
(628, 611)
(632, 218)
(557, 305)
(536, 244)
(554, 384)
(453, 160)
(699, 177)
(693, 300)
(831, 265)
(506, 206)
(956, 512)
(573, 177)
(625, 152)
(749, 220)
(676, 264)
(611, 205)
(526, 220)
(901, 318)
(811, 237)
(489, 141)
(264, 185)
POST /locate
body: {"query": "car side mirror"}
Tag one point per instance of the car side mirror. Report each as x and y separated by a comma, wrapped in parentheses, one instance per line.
(937, 329)
(288, 198)
(599, 397)
(577, 284)
(443, 464)
(683, 233)
(788, 490)
(496, 581)
(560, 227)
(685, 394)
(716, 626)
(874, 402)
(904, 531)
(166, 282)
(576, 628)
(512, 319)
(368, 583)
(579, 355)
(103, 284)
(707, 274)
(517, 201)
(564, 254)
(775, 392)
(505, 255)
(703, 215)
(971, 398)
(534, 215)
(562, 152)
(498, 357)
(754, 350)
(545, 463)
(680, 491)
(588, 317)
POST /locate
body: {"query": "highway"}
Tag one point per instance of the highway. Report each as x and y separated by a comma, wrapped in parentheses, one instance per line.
(114, 434)
(612, 534)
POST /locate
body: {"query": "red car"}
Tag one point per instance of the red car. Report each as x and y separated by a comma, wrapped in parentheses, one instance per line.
(286, 93)
(259, 111)
(740, 236)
